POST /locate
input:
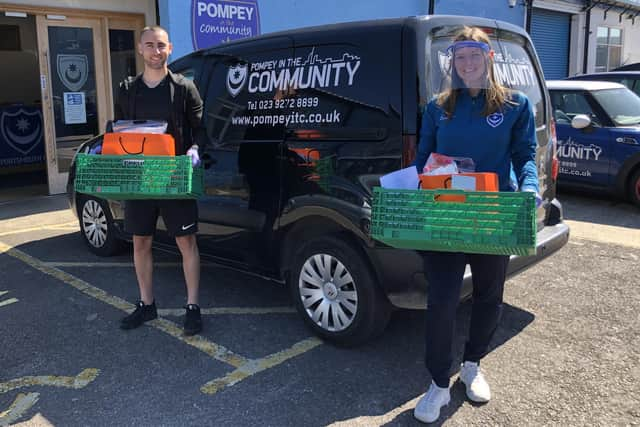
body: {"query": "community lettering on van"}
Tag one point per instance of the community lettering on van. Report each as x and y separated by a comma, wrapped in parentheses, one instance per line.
(294, 73)
(226, 11)
(571, 150)
(513, 72)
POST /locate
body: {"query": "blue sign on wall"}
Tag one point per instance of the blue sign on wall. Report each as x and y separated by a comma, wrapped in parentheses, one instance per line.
(218, 21)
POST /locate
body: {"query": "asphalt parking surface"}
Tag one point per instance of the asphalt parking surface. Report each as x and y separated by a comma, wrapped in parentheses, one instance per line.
(565, 353)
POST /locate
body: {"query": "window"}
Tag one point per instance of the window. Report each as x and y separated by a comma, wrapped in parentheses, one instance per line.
(567, 105)
(608, 49)
(123, 57)
(9, 37)
(513, 66)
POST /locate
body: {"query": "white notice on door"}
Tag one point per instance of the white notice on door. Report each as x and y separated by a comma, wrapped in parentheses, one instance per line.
(75, 110)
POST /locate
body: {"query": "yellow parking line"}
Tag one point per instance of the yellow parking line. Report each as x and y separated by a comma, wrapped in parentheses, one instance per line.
(245, 367)
(64, 226)
(229, 310)
(259, 365)
(214, 350)
(79, 381)
(20, 405)
(8, 301)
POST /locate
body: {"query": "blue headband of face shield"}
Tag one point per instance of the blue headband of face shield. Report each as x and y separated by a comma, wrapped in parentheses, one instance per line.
(468, 43)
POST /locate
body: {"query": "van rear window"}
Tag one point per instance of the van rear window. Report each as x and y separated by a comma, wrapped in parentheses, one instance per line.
(513, 65)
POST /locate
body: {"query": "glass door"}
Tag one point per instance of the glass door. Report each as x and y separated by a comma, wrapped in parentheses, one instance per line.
(73, 84)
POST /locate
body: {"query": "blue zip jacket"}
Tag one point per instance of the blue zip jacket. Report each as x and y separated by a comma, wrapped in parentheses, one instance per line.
(502, 142)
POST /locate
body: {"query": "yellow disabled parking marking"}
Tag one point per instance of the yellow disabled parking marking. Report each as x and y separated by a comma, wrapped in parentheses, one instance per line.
(18, 408)
(24, 402)
(7, 301)
(79, 381)
(214, 350)
(245, 367)
(259, 365)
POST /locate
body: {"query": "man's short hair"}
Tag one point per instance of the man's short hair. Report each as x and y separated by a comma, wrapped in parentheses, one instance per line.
(153, 28)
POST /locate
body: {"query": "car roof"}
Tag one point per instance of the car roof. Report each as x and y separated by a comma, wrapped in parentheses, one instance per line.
(582, 85)
(589, 76)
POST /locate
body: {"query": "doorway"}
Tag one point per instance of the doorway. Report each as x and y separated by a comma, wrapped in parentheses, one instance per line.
(22, 154)
(74, 90)
(63, 71)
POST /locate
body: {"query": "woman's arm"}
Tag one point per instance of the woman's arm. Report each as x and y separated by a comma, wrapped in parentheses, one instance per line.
(427, 142)
(523, 146)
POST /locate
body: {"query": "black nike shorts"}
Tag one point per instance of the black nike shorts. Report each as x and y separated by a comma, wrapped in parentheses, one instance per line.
(179, 216)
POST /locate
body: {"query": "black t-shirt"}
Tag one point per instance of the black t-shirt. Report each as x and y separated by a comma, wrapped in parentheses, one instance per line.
(154, 103)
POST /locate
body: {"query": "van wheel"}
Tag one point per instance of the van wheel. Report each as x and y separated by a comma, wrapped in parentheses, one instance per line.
(96, 226)
(335, 292)
(634, 188)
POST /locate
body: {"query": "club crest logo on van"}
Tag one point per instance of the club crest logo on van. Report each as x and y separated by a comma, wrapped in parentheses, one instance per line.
(236, 79)
(22, 130)
(444, 60)
(494, 120)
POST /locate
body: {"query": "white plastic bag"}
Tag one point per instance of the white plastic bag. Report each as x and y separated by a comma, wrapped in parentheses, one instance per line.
(140, 126)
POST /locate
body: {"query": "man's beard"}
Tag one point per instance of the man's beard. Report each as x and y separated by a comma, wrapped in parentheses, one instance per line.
(155, 65)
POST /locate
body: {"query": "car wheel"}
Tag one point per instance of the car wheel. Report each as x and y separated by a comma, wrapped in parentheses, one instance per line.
(634, 188)
(336, 293)
(96, 226)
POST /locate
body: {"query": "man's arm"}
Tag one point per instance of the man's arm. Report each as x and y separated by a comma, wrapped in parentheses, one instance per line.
(122, 103)
(194, 115)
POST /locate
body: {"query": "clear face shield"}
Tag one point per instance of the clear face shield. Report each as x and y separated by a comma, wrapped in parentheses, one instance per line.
(466, 65)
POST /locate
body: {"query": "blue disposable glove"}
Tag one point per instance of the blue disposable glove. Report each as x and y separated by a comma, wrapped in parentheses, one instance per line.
(96, 149)
(533, 190)
(195, 157)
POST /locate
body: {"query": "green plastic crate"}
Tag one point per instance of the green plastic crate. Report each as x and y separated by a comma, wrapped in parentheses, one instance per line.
(138, 177)
(500, 223)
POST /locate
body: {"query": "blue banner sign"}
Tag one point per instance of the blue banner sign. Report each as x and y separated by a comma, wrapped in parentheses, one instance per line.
(219, 21)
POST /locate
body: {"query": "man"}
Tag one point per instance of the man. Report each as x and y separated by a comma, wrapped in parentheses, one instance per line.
(158, 94)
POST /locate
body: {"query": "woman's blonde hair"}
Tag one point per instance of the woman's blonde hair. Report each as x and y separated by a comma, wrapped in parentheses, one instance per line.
(495, 94)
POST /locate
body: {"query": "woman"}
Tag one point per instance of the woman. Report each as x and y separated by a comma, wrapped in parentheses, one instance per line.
(477, 118)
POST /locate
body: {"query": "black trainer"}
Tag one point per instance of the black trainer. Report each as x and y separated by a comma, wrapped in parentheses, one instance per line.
(142, 313)
(192, 319)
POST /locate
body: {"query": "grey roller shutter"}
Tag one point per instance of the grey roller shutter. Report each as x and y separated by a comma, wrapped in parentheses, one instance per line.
(550, 34)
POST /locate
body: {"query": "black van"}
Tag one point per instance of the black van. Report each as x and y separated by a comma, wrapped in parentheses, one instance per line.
(301, 125)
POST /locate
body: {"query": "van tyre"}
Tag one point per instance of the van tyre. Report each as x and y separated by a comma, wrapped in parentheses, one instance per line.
(634, 188)
(336, 293)
(96, 226)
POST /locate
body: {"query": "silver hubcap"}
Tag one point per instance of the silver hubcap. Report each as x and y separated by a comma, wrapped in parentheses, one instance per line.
(94, 223)
(328, 292)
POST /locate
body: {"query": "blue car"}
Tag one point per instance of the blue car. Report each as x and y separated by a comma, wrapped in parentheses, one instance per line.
(629, 77)
(598, 130)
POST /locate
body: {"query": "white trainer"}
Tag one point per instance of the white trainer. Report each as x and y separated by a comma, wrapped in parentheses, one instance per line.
(428, 408)
(477, 388)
